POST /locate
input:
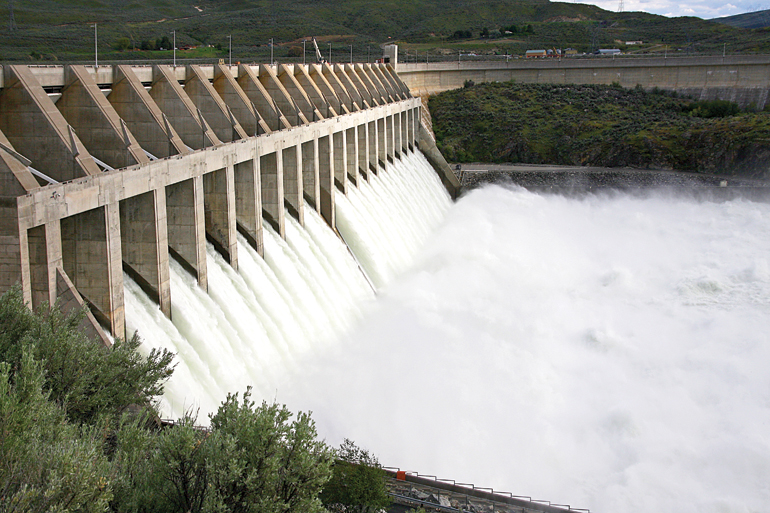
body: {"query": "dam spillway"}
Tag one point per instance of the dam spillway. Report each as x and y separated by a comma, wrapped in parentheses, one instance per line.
(113, 169)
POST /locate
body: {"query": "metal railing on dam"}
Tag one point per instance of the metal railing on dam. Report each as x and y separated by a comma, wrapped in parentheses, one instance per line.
(112, 169)
(744, 79)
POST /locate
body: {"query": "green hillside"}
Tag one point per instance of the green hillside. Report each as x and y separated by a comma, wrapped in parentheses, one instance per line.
(750, 20)
(51, 30)
(592, 125)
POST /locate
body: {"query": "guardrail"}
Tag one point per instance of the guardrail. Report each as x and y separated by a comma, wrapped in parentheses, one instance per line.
(412, 488)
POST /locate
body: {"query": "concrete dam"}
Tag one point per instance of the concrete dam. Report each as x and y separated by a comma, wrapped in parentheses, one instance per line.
(608, 352)
(744, 80)
(111, 169)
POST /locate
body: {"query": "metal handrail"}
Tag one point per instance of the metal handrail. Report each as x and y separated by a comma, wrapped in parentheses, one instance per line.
(491, 491)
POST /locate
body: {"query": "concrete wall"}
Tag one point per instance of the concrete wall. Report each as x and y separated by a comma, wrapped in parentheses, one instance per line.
(72, 234)
(744, 80)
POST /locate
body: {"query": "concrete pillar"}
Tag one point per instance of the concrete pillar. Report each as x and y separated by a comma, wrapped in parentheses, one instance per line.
(335, 104)
(98, 125)
(292, 183)
(144, 118)
(373, 152)
(248, 202)
(410, 129)
(221, 120)
(180, 109)
(271, 170)
(144, 240)
(363, 150)
(91, 257)
(326, 179)
(261, 99)
(310, 181)
(37, 130)
(219, 209)
(186, 224)
(351, 162)
(37, 256)
(236, 99)
(390, 137)
(314, 92)
(281, 96)
(15, 180)
(397, 134)
(340, 161)
(382, 147)
(297, 92)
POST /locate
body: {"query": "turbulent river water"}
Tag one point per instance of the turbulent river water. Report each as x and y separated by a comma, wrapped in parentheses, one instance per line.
(610, 352)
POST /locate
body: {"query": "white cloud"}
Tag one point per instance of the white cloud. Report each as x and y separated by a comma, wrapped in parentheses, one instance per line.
(706, 9)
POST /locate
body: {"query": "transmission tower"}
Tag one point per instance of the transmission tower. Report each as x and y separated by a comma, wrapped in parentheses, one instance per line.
(11, 20)
(620, 6)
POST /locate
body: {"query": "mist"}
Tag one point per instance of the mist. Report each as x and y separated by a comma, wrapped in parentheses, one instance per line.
(608, 352)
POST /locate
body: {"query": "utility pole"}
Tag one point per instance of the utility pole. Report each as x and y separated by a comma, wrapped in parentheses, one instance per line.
(351, 54)
(96, 48)
(230, 40)
(271, 50)
(330, 54)
(11, 21)
(174, 45)
(303, 51)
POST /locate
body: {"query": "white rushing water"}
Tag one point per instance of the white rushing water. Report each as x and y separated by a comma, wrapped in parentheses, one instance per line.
(252, 325)
(611, 353)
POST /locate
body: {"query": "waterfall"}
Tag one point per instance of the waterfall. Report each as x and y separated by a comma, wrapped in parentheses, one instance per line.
(253, 324)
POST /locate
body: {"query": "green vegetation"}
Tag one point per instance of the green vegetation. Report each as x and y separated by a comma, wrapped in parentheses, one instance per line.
(357, 483)
(599, 126)
(49, 30)
(79, 433)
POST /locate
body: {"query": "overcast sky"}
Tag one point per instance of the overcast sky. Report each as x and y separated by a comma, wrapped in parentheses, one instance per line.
(705, 9)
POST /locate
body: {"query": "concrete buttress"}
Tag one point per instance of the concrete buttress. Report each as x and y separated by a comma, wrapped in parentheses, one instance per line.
(144, 118)
(214, 110)
(99, 126)
(38, 130)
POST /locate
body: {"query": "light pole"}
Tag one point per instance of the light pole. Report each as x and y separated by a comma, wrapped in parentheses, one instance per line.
(330, 53)
(96, 48)
(271, 51)
(230, 40)
(351, 54)
(303, 51)
(174, 44)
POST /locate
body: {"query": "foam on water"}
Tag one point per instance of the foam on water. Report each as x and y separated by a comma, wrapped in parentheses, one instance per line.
(610, 352)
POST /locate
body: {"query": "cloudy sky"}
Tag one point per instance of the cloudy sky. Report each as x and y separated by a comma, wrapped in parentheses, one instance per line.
(701, 8)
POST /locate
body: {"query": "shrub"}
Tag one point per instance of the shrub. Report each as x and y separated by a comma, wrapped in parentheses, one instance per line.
(357, 482)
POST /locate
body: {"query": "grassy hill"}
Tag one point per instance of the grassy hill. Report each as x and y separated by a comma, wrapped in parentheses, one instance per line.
(749, 20)
(605, 126)
(50, 30)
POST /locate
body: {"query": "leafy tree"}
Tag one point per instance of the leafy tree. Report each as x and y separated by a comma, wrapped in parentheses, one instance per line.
(46, 463)
(261, 461)
(357, 483)
(122, 43)
(86, 379)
